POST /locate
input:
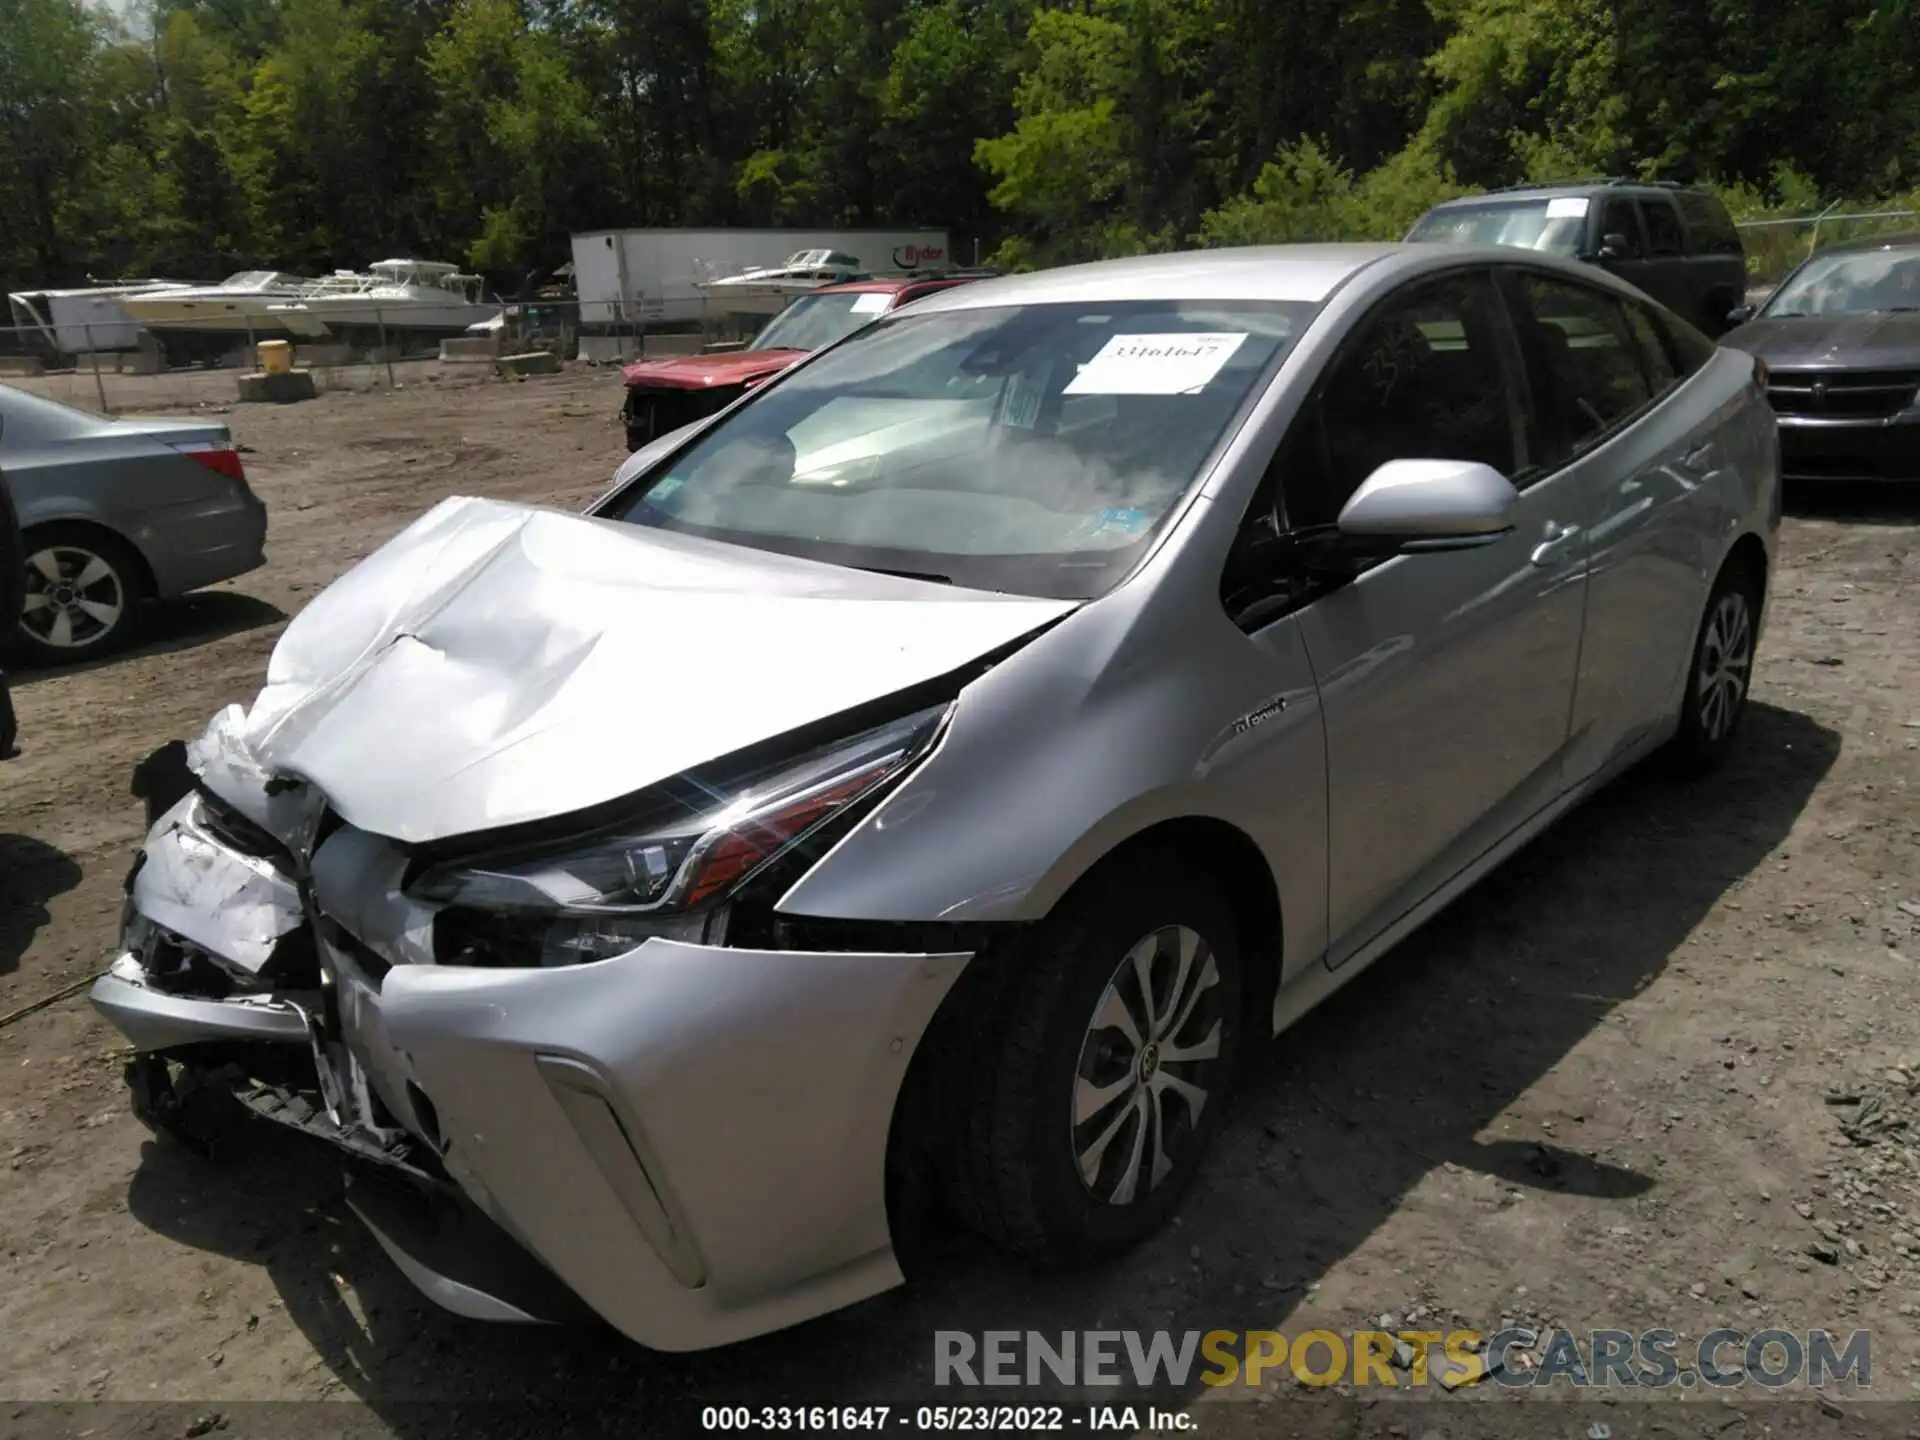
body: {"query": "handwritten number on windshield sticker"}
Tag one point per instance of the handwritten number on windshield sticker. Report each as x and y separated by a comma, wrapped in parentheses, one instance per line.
(1179, 364)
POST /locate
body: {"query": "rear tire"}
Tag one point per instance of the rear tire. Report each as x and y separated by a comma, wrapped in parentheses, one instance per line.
(1720, 672)
(84, 590)
(1078, 1130)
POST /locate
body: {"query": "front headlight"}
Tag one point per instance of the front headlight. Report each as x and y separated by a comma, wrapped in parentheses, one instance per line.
(601, 897)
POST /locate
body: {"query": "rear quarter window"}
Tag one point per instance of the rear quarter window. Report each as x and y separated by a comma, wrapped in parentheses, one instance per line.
(1710, 230)
(1691, 350)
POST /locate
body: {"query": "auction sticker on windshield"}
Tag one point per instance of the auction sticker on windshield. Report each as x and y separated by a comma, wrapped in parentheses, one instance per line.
(1156, 364)
(1569, 207)
(873, 302)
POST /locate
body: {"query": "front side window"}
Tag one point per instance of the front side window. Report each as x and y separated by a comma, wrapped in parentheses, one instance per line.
(1620, 227)
(1588, 376)
(1421, 380)
(1851, 283)
(1034, 449)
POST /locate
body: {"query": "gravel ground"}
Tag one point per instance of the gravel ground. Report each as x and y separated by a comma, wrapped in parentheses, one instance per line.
(1662, 1070)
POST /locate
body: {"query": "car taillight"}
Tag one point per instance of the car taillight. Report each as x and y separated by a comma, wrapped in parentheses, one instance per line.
(216, 456)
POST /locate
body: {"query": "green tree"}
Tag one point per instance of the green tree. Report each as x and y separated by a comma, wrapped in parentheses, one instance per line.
(46, 54)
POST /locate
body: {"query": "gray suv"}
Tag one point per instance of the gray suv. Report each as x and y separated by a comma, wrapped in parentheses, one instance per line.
(1675, 244)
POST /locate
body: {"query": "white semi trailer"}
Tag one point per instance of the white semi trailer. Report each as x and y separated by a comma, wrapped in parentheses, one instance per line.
(629, 280)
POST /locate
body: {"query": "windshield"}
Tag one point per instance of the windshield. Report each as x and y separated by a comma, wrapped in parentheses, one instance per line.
(1850, 283)
(1031, 449)
(814, 322)
(1554, 226)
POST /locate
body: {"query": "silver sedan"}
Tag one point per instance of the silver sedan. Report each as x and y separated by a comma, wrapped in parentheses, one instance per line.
(115, 512)
(938, 766)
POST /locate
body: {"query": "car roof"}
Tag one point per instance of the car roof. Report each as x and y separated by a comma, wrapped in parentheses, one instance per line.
(887, 285)
(1555, 189)
(1307, 273)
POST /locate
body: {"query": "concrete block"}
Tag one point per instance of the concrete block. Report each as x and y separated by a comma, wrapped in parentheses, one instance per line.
(534, 362)
(21, 366)
(142, 362)
(604, 349)
(282, 389)
(664, 346)
(322, 355)
(469, 350)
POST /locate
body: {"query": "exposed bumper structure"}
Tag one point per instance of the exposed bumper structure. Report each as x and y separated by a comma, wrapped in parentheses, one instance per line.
(156, 1020)
(691, 1139)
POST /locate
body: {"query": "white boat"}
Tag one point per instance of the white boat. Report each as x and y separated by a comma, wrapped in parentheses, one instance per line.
(767, 289)
(198, 321)
(405, 299)
(75, 321)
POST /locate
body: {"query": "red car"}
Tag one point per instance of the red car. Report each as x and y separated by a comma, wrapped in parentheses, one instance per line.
(663, 395)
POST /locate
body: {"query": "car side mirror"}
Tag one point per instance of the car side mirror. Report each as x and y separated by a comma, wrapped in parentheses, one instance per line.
(1739, 315)
(1615, 246)
(1420, 505)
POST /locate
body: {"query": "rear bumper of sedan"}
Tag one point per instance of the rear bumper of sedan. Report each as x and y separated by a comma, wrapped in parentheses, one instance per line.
(689, 1140)
(1850, 449)
(205, 541)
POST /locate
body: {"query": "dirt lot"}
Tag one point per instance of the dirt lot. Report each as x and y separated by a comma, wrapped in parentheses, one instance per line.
(1604, 1090)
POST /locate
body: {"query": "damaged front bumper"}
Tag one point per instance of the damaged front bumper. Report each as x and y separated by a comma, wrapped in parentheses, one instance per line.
(689, 1140)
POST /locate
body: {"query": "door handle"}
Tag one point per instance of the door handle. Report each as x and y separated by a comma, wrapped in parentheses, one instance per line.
(1698, 460)
(1555, 547)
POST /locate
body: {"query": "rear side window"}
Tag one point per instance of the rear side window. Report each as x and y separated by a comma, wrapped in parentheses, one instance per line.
(1587, 373)
(1664, 236)
(1709, 227)
(1662, 373)
(1691, 349)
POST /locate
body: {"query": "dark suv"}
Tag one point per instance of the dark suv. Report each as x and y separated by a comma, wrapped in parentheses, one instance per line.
(1678, 245)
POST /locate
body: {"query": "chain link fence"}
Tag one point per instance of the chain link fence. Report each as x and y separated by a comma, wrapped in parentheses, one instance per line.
(118, 368)
(1775, 245)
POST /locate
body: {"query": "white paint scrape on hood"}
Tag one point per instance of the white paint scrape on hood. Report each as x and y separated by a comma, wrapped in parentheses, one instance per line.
(495, 663)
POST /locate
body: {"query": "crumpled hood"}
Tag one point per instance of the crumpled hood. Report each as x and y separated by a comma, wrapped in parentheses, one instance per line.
(706, 372)
(496, 663)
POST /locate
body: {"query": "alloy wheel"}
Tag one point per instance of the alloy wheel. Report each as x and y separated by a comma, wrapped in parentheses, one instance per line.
(75, 598)
(1726, 663)
(1148, 1064)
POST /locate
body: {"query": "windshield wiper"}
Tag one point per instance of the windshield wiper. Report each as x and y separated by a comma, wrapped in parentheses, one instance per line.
(926, 575)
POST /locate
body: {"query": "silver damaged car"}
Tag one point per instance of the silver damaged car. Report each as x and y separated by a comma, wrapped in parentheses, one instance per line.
(926, 776)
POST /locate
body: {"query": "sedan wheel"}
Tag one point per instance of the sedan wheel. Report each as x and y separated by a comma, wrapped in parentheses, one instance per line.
(1722, 672)
(81, 594)
(1095, 1059)
(1726, 663)
(1147, 1066)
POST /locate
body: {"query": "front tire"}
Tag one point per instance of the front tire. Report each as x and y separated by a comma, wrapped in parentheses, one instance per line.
(1720, 675)
(1101, 1058)
(84, 589)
